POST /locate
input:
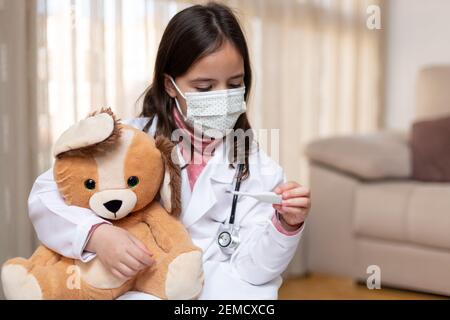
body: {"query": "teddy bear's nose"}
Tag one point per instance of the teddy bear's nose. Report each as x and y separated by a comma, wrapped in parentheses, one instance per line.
(113, 205)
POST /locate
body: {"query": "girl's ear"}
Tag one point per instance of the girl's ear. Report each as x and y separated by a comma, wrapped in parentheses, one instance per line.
(170, 191)
(169, 87)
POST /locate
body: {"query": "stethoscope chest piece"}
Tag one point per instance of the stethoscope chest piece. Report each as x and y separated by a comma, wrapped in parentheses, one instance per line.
(224, 239)
(228, 238)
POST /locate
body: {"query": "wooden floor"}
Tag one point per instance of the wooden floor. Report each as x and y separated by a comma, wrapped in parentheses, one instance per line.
(324, 287)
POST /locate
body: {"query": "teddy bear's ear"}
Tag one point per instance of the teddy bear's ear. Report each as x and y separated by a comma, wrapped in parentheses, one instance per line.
(170, 190)
(95, 133)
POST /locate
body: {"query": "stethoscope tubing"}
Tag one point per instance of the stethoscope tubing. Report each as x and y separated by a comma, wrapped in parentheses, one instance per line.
(235, 197)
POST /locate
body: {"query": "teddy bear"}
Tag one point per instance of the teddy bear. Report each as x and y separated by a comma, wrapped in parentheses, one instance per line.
(127, 177)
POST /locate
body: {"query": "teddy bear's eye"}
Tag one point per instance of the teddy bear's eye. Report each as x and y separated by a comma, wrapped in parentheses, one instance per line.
(133, 181)
(89, 184)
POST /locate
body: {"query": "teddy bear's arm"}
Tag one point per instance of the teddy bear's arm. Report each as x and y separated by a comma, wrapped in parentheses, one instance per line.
(168, 231)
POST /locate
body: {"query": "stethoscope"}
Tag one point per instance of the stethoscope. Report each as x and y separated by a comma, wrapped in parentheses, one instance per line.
(228, 235)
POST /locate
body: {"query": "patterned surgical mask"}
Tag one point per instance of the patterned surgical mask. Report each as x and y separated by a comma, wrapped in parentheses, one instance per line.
(217, 110)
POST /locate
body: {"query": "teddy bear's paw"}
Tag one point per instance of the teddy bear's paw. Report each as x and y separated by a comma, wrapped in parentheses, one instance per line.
(18, 284)
(185, 276)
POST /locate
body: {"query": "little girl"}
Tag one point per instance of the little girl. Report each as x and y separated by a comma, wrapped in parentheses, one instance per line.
(202, 78)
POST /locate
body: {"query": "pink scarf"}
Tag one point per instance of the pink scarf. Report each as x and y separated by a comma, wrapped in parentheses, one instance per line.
(200, 156)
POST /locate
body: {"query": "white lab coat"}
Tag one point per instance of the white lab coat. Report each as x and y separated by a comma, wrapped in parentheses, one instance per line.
(252, 272)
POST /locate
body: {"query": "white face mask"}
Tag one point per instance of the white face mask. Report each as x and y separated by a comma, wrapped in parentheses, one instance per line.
(217, 110)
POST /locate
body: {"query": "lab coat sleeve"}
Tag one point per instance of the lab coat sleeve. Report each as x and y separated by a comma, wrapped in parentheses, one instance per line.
(62, 228)
(265, 252)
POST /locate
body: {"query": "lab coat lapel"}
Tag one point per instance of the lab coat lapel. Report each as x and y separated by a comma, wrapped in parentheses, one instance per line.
(203, 196)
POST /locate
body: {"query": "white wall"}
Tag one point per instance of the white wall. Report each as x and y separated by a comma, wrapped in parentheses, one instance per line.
(418, 35)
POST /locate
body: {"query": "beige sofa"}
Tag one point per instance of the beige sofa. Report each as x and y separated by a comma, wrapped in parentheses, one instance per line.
(366, 210)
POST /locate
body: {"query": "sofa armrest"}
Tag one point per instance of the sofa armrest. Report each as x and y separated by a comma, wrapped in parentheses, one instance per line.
(370, 157)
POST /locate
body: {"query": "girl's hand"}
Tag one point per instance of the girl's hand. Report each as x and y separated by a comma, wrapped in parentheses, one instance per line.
(295, 206)
(119, 251)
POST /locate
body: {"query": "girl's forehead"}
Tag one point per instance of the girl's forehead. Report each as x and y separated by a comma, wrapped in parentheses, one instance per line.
(224, 63)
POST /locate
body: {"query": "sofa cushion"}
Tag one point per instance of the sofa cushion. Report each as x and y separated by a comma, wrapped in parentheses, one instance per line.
(432, 93)
(430, 146)
(372, 156)
(404, 211)
(381, 210)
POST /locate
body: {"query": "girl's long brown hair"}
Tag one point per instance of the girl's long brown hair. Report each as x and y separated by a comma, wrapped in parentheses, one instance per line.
(190, 35)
